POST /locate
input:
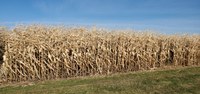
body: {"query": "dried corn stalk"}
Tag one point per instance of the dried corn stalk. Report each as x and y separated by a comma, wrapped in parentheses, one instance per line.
(42, 52)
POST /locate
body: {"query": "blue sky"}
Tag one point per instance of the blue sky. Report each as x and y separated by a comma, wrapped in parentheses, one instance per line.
(167, 16)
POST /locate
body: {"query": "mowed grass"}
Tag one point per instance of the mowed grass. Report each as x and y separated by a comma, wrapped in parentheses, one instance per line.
(181, 81)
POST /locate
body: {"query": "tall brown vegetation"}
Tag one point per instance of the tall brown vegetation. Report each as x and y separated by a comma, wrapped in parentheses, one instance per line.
(42, 52)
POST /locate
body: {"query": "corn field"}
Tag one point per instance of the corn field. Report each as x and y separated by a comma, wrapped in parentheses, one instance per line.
(31, 53)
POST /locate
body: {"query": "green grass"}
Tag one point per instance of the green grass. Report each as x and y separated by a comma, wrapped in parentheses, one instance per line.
(181, 81)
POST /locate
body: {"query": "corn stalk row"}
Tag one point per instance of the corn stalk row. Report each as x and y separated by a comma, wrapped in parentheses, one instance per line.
(42, 53)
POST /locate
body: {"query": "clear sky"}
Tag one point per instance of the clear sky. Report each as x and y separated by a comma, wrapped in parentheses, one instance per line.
(167, 16)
